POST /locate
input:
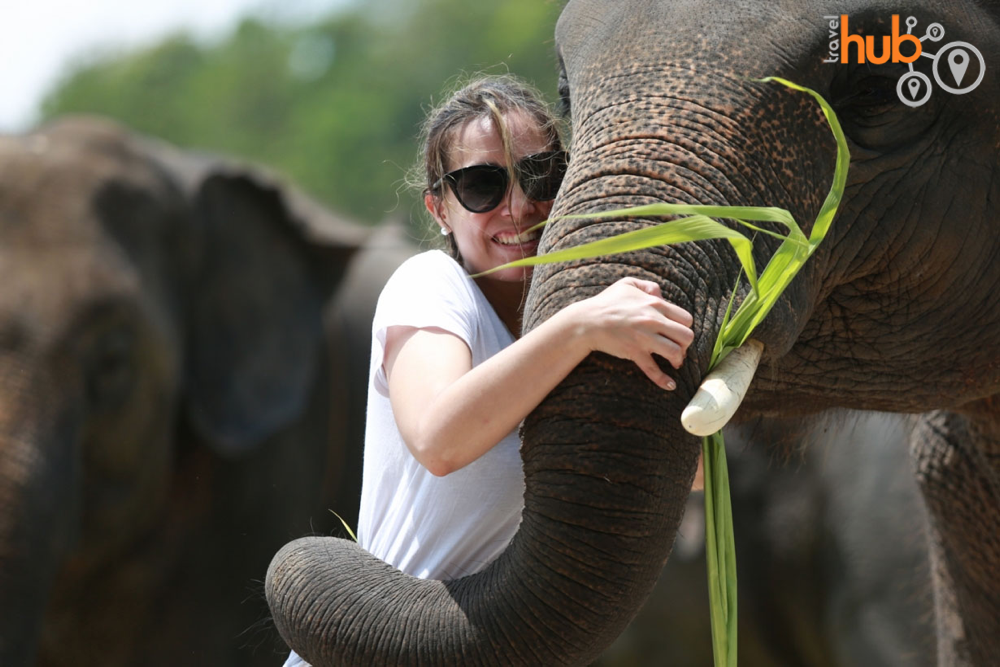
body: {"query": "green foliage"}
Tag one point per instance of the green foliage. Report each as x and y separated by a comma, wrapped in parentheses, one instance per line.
(336, 106)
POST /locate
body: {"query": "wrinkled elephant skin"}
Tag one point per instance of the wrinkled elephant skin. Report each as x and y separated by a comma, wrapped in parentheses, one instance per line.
(895, 312)
(171, 411)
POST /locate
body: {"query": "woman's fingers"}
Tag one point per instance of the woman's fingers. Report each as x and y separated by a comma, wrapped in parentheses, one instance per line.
(671, 310)
(668, 349)
(666, 338)
(637, 323)
(648, 366)
(678, 334)
(675, 312)
(647, 286)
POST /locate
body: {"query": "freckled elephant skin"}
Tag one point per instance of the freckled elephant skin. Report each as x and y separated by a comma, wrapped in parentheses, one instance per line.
(897, 312)
(172, 404)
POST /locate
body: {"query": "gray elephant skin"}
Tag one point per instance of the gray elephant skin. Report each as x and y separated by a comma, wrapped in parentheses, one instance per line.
(897, 311)
(183, 350)
(831, 551)
(225, 546)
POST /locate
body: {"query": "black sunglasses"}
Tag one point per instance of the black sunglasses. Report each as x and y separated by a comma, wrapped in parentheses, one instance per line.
(481, 187)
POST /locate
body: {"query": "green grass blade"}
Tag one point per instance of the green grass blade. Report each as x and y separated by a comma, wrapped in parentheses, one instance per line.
(728, 554)
(720, 552)
(716, 596)
(694, 228)
(346, 527)
(756, 213)
(829, 209)
(718, 351)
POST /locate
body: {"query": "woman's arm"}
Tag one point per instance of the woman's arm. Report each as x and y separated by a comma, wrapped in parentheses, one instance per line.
(449, 413)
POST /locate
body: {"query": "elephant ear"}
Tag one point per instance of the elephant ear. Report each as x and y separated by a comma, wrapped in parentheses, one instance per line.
(270, 259)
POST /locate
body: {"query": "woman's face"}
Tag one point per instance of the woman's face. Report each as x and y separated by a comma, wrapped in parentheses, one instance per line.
(487, 240)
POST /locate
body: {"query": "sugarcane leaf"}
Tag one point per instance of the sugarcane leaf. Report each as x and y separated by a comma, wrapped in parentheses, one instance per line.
(694, 228)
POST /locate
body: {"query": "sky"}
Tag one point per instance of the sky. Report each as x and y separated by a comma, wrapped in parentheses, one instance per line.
(40, 38)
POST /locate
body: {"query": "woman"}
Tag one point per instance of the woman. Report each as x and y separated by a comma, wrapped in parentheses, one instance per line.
(451, 377)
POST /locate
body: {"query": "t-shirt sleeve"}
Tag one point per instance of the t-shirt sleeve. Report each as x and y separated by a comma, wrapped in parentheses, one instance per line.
(428, 290)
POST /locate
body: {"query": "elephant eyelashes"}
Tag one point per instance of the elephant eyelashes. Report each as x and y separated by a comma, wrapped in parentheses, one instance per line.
(564, 107)
(870, 110)
(874, 95)
(110, 369)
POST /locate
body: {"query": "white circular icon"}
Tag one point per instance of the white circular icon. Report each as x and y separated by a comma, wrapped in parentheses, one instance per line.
(935, 31)
(909, 88)
(958, 64)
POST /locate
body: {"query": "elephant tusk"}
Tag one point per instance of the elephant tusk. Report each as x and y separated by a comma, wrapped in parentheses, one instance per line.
(721, 393)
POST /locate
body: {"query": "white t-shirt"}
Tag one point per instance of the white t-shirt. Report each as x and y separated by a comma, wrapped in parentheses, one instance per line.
(427, 526)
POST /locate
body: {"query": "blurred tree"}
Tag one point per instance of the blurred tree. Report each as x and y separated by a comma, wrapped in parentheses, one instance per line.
(335, 106)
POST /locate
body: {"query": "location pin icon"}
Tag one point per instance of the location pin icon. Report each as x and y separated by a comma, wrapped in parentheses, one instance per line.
(914, 86)
(958, 62)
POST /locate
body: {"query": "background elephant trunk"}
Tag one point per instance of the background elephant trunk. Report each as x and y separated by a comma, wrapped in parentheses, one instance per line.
(38, 486)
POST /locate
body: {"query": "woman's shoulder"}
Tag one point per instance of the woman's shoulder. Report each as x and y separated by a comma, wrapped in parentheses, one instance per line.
(432, 258)
(429, 289)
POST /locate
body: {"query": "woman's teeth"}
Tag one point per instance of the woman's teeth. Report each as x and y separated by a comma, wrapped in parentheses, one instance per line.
(507, 238)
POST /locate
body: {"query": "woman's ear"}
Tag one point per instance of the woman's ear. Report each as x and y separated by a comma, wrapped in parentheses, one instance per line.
(435, 206)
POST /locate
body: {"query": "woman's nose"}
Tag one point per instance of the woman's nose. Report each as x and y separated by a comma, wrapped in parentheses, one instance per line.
(519, 204)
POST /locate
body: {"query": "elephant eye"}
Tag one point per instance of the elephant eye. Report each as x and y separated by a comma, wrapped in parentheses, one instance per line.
(867, 100)
(110, 370)
(564, 103)
(874, 95)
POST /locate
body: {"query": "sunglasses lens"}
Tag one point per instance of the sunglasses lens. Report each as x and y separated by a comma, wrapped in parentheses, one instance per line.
(541, 175)
(480, 188)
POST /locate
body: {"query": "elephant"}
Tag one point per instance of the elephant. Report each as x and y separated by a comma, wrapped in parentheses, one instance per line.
(832, 555)
(182, 342)
(896, 311)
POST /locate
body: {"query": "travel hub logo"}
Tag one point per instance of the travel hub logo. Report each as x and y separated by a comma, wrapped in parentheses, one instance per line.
(958, 67)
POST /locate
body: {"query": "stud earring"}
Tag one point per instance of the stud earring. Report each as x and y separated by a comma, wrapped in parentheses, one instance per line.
(445, 231)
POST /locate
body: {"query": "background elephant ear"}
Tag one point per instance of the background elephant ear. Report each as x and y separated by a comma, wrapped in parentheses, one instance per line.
(270, 259)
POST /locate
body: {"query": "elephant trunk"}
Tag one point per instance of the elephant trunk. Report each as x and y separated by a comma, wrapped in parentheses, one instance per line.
(602, 495)
(607, 464)
(38, 484)
(607, 471)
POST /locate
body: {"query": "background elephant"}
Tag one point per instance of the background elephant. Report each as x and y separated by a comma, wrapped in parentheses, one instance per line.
(831, 550)
(897, 311)
(171, 410)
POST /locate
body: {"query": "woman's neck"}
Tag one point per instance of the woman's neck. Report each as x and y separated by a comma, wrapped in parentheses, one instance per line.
(507, 299)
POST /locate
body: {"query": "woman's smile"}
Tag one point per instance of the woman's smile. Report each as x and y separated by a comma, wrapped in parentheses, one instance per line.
(501, 235)
(525, 242)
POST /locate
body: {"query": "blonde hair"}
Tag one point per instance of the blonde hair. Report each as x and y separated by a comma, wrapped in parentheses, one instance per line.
(489, 97)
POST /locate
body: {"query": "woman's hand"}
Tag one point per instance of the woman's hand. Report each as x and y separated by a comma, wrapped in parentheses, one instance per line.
(631, 320)
(451, 413)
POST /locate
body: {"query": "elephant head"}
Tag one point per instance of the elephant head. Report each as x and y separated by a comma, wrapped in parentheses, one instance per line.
(163, 379)
(896, 311)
